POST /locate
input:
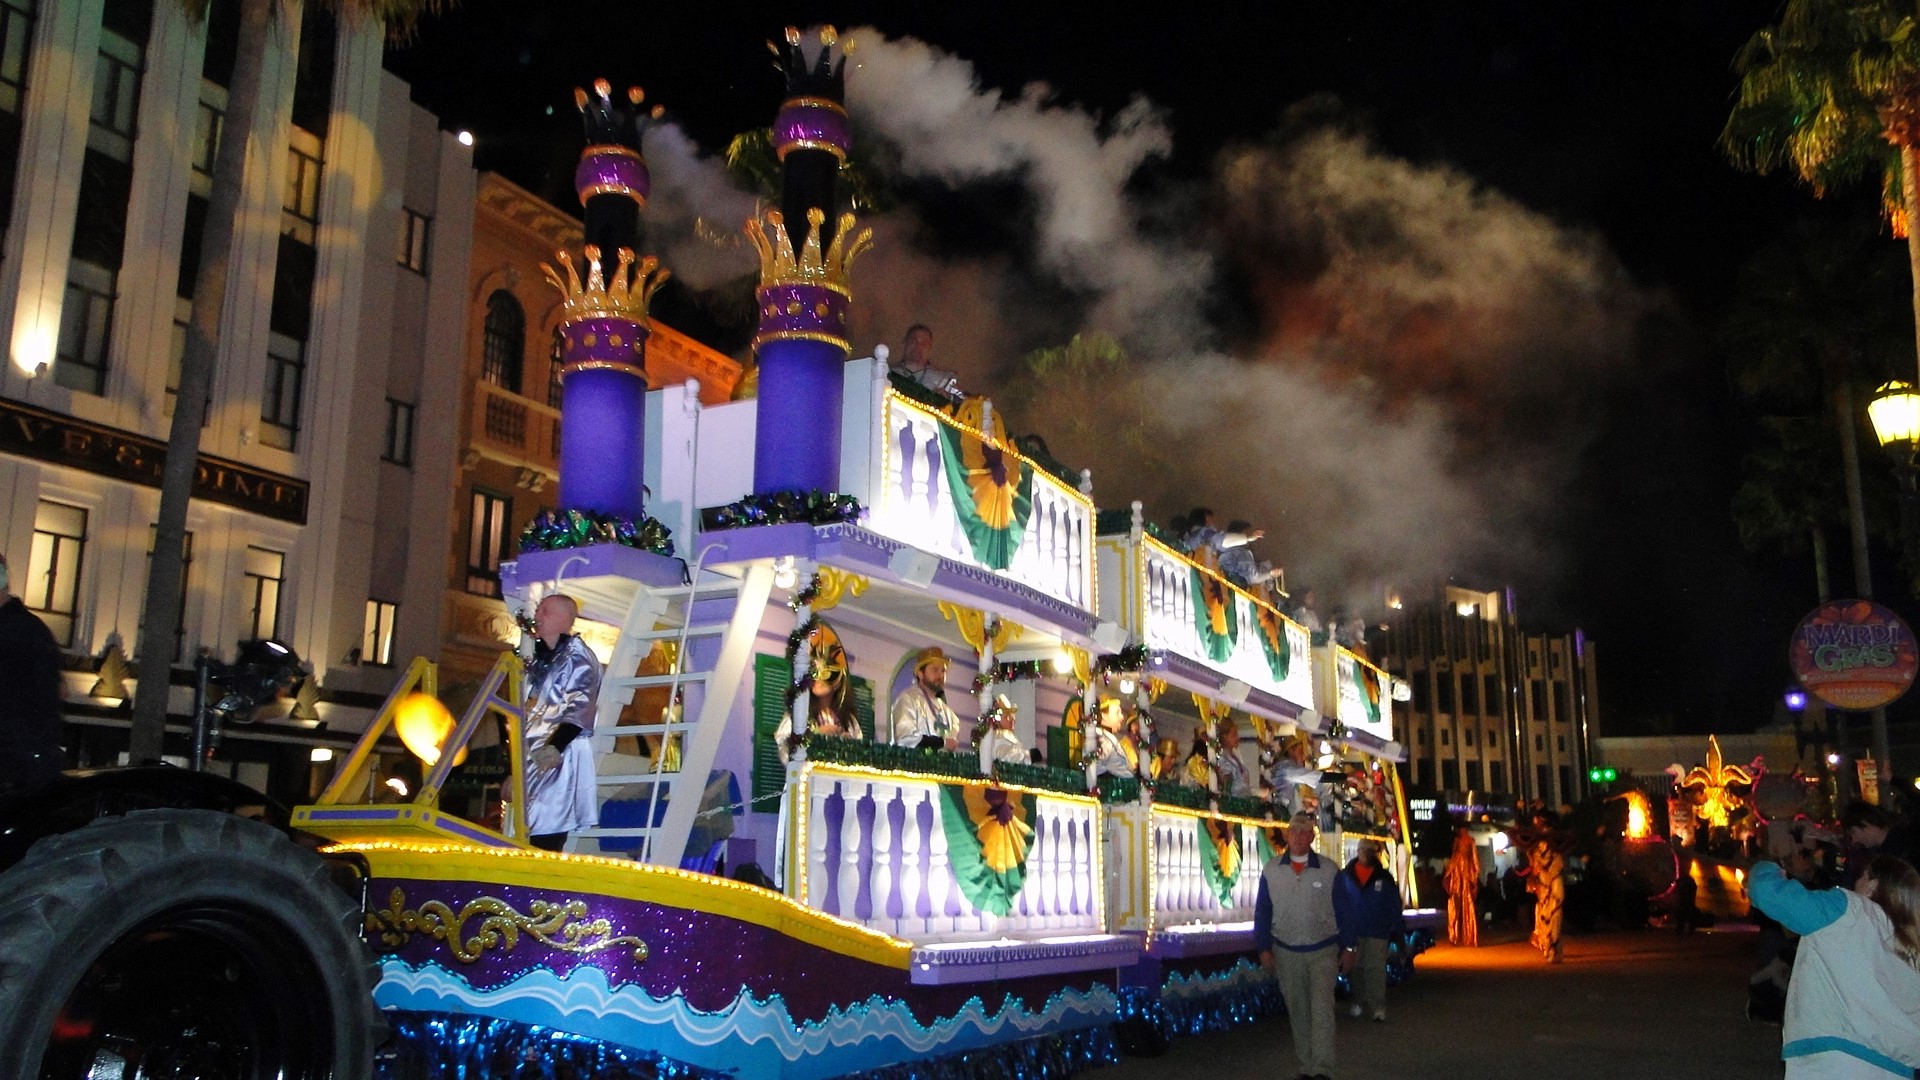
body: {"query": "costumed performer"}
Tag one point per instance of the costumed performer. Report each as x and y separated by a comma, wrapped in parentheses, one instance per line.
(563, 683)
(1463, 887)
(1546, 877)
(997, 741)
(921, 715)
(1112, 753)
(1230, 773)
(829, 696)
(1295, 780)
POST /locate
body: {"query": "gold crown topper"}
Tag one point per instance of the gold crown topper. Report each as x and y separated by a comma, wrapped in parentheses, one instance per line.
(626, 293)
(779, 265)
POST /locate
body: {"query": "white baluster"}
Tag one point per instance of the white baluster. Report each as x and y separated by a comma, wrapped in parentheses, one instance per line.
(939, 876)
(881, 877)
(848, 906)
(816, 885)
(912, 872)
(1045, 882)
(1083, 883)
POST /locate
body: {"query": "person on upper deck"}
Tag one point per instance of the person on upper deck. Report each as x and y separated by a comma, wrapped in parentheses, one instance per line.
(996, 738)
(1238, 563)
(915, 362)
(1201, 531)
(1230, 773)
(921, 715)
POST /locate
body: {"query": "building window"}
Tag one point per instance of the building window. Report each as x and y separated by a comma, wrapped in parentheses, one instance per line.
(556, 360)
(1424, 773)
(1466, 737)
(1560, 742)
(53, 566)
(265, 571)
(486, 540)
(86, 320)
(1422, 692)
(210, 120)
(376, 641)
(1539, 693)
(504, 341)
(186, 576)
(1473, 775)
(1561, 710)
(399, 433)
(1566, 782)
(280, 404)
(1450, 774)
(301, 206)
(116, 97)
(414, 230)
(1443, 691)
(1469, 694)
(1493, 737)
(1539, 744)
(1493, 694)
(16, 34)
(1446, 737)
(1544, 776)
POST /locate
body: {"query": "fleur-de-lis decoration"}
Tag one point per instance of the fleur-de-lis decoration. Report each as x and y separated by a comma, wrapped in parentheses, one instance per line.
(1710, 786)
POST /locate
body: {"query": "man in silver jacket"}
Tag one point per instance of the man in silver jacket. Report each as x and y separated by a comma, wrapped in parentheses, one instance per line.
(563, 682)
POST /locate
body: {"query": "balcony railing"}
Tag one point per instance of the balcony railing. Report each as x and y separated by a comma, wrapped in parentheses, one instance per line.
(1175, 867)
(1168, 601)
(1356, 693)
(515, 429)
(912, 856)
(916, 453)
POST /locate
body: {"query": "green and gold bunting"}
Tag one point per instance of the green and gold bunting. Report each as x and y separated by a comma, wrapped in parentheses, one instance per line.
(989, 832)
(1213, 613)
(991, 485)
(1273, 641)
(1219, 857)
(1369, 683)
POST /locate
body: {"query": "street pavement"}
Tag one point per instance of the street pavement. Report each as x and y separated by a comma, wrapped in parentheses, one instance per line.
(1623, 1006)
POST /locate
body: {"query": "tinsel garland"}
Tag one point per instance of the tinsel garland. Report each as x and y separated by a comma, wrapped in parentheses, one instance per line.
(1242, 995)
(1119, 789)
(1044, 1057)
(1244, 806)
(1130, 659)
(1182, 795)
(1012, 671)
(1042, 777)
(806, 595)
(782, 508)
(835, 750)
(431, 1046)
(802, 676)
(554, 530)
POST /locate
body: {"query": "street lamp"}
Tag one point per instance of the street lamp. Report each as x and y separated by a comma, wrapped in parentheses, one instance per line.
(1895, 415)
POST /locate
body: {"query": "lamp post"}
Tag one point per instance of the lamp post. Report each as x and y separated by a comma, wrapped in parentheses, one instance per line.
(1895, 415)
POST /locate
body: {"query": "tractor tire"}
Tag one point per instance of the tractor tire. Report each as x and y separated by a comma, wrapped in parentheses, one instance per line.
(169, 944)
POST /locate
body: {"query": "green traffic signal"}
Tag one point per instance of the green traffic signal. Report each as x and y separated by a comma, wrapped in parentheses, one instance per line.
(1603, 774)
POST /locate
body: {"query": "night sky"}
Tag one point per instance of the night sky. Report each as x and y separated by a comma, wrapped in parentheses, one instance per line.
(1597, 119)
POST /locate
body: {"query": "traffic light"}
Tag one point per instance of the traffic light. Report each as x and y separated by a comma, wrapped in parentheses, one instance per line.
(1603, 774)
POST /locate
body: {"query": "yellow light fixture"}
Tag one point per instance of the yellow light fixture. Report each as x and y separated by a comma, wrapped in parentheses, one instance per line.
(1895, 413)
(423, 724)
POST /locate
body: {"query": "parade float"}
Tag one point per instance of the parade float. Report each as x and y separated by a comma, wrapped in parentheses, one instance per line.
(770, 895)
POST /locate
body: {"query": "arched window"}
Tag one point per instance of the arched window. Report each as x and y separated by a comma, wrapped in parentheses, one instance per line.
(505, 341)
(554, 360)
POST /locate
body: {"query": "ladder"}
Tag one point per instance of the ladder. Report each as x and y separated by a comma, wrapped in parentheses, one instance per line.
(707, 693)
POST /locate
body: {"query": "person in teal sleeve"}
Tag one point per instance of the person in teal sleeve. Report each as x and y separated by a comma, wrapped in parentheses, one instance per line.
(1853, 1007)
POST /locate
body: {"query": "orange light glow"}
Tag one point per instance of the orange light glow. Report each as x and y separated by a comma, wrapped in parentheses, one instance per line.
(423, 725)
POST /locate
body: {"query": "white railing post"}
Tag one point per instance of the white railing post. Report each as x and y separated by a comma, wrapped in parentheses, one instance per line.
(848, 902)
(818, 788)
(939, 877)
(911, 872)
(882, 875)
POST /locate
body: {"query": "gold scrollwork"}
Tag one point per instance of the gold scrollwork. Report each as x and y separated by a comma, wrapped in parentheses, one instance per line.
(836, 585)
(562, 926)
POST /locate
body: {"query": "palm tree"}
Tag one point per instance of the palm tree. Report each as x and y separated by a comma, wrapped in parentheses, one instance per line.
(1832, 93)
(203, 336)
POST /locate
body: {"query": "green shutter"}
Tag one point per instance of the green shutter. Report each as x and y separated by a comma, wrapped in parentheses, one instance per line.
(863, 707)
(772, 675)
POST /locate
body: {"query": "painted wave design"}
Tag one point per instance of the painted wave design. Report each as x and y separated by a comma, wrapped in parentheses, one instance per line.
(750, 1036)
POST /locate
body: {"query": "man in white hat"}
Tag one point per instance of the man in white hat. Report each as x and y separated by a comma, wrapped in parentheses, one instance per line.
(921, 715)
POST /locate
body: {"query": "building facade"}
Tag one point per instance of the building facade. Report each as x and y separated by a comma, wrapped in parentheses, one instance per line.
(510, 411)
(1499, 714)
(328, 448)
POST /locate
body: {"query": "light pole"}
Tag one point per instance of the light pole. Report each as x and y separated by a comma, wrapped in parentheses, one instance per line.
(1895, 415)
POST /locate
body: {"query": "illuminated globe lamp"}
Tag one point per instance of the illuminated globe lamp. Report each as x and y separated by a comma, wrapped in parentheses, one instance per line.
(423, 725)
(1895, 413)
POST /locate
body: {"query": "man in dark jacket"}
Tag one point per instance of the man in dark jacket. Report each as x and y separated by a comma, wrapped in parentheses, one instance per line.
(1367, 900)
(29, 694)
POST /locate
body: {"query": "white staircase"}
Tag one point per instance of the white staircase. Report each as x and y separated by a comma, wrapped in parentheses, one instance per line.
(687, 615)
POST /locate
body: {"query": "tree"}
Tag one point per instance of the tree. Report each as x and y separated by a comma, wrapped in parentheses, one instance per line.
(162, 610)
(1832, 92)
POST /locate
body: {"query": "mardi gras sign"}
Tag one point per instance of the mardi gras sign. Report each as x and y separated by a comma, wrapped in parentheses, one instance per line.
(1854, 655)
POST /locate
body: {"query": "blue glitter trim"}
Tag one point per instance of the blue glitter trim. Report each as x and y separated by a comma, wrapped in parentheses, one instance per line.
(1043, 1058)
(430, 1046)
